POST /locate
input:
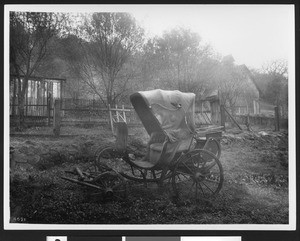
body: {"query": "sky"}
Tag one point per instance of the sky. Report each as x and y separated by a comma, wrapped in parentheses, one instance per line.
(253, 34)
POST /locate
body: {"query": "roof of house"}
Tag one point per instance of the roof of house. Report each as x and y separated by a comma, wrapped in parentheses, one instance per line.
(211, 95)
(38, 78)
(245, 69)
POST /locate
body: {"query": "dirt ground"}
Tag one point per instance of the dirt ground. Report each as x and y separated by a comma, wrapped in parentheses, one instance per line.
(255, 190)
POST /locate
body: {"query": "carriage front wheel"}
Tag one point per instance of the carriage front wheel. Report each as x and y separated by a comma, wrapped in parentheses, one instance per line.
(197, 175)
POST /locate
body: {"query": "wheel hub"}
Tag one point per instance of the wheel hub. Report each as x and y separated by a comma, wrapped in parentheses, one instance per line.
(198, 176)
(109, 192)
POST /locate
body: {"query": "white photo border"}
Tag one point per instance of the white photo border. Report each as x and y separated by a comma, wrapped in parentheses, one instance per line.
(115, 8)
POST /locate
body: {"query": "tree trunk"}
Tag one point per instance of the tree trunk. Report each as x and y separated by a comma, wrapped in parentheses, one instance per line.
(110, 98)
(21, 103)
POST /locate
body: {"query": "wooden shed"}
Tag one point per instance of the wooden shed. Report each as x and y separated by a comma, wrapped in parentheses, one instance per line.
(39, 96)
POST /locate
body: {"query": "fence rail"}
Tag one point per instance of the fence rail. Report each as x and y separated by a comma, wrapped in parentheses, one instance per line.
(91, 112)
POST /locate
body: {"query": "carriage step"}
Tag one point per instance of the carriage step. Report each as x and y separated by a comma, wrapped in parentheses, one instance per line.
(144, 164)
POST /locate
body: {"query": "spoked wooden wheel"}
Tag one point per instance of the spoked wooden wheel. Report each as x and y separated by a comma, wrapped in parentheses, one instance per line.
(198, 175)
(112, 185)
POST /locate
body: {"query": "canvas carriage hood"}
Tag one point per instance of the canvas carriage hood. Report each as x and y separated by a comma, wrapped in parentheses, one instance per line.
(173, 111)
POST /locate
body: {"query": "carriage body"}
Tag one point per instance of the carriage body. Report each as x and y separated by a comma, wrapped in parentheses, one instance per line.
(168, 117)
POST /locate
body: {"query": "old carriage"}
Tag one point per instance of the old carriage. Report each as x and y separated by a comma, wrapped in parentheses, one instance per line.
(178, 156)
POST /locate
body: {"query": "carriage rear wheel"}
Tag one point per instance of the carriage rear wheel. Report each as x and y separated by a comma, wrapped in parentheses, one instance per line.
(198, 175)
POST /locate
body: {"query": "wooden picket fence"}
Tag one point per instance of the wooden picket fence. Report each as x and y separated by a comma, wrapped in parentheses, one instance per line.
(91, 115)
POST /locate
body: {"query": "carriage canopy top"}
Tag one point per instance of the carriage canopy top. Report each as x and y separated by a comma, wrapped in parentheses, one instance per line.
(167, 111)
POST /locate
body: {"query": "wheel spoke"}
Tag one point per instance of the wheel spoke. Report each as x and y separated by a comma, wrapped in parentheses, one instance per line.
(183, 173)
(212, 181)
(188, 167)
(181, 180)
(117, 185)
(201, 188)
(207, 187)
(193, 184)
(96, 193)
(210, 166)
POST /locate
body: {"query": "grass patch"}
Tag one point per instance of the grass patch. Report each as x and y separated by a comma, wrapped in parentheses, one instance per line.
(255, 189)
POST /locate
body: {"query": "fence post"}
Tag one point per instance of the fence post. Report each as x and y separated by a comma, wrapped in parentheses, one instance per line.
(223, 117)
(121, 136)
(49, 108)
(26, 104)
(14, 99)
(277, 118)
(56, 118)
(248, 122)
(111, 119)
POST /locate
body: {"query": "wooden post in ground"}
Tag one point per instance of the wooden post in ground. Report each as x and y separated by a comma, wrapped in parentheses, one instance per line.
(277, 118)
(56, 118)
(26, 103)
(62, 107)
(223, 117)
(248, 122)
(121, 136)
(14, 82)
(49, 108)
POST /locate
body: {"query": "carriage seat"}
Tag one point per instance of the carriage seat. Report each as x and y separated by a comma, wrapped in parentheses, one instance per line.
(143, 164)
(161, 156)
(184, 145)
(157, 156)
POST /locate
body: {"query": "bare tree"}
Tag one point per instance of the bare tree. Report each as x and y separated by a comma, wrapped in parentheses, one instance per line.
(277, 86)
(110, 40)
(276, 67)
(182, 61)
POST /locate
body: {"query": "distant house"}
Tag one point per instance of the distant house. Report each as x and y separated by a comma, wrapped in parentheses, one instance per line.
(40, 91)
(254, 105)
(248, 102)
